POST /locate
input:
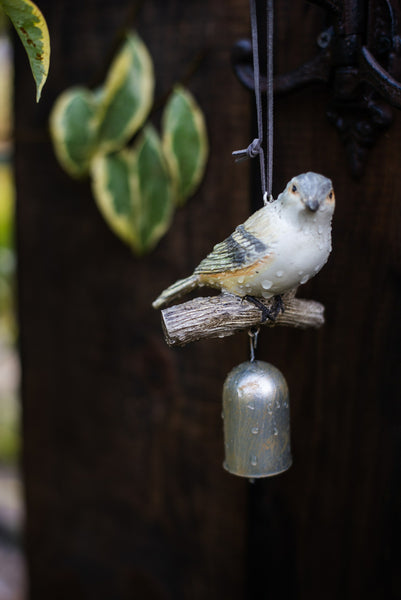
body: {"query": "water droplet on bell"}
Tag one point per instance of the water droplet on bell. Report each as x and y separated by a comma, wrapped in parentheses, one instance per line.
(256, 421)
(266, 284)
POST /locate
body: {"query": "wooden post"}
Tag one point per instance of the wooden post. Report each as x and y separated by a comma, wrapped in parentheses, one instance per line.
(123, 444)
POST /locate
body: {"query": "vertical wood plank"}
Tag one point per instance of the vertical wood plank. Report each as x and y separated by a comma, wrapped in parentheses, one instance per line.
(123, 442)
(329, 528)
(126, 496)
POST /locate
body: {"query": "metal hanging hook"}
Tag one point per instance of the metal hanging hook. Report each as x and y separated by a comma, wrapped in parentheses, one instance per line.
(253, 341)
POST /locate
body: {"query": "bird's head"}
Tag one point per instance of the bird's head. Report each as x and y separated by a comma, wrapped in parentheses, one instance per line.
(310, 195)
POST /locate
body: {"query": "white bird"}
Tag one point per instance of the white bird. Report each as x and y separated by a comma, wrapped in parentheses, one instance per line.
(279, 247)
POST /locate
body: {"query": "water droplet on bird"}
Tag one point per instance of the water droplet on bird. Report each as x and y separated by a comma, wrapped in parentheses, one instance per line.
(251, 406)
(240, 280)
(266, 284)
(304, 279)
(254, 461)
(255, 430)
(275, 431)
(300, 272)
(279, 273)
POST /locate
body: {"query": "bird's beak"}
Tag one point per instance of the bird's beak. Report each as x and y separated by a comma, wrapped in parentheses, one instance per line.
(312, 203)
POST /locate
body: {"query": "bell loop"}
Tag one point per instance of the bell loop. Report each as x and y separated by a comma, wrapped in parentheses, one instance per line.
(253, 340)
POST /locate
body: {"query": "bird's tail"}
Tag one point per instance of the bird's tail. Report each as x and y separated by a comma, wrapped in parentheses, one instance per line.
(180, 287)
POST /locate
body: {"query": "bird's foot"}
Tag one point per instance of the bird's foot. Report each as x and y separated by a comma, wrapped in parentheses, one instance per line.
(268, 313)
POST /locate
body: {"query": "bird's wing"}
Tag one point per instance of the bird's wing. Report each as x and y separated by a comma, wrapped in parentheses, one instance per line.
(241, 249)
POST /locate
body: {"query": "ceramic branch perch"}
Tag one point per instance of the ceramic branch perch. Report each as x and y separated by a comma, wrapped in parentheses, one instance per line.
(226, 314)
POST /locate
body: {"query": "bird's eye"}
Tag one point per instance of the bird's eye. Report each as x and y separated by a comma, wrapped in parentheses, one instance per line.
(294, 188)
(331, 195)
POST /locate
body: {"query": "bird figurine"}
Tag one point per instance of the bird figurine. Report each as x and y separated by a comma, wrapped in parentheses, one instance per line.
(279, 247)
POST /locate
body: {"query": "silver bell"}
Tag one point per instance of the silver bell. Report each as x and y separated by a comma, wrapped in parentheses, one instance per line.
(256, 417)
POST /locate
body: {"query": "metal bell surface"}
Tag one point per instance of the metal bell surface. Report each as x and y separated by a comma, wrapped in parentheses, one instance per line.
(256, 417)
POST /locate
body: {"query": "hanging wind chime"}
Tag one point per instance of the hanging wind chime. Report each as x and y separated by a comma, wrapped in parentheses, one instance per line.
(278, 248)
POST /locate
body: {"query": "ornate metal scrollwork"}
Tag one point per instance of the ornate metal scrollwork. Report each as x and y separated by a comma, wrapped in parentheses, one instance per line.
(359, 57)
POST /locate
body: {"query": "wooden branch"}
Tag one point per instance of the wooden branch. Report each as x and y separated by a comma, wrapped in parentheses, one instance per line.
(226, 314)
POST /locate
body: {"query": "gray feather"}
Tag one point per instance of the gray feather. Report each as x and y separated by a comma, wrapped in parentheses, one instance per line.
(179, 288)
(239, 250)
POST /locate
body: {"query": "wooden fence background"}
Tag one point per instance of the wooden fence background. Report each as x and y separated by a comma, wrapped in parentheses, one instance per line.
(126, 497)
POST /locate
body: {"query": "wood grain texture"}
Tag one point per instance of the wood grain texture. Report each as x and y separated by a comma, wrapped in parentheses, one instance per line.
(329, 528)
(123, 443)
(225, 314)
(126, 496)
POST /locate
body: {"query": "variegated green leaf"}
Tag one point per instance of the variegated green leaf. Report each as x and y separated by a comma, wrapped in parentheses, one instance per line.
(73, 127)
(32, 29)
(185, 142)
(127, 94)
(155, 207)
(133, 190)
(114, 182)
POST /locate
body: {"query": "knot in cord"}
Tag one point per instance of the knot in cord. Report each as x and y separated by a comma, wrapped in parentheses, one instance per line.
(253, 150)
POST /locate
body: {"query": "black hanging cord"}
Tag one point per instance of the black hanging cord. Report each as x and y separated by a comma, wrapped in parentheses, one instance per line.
(270, 96)
(255, 148)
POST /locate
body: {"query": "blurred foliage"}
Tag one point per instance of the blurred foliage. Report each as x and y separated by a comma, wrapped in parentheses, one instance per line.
(138, 187)
(9, 407)
(9, 430)
(9, 413)
(84, 124)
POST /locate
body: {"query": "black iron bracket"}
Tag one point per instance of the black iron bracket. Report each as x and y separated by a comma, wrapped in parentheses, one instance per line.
(359, 58)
